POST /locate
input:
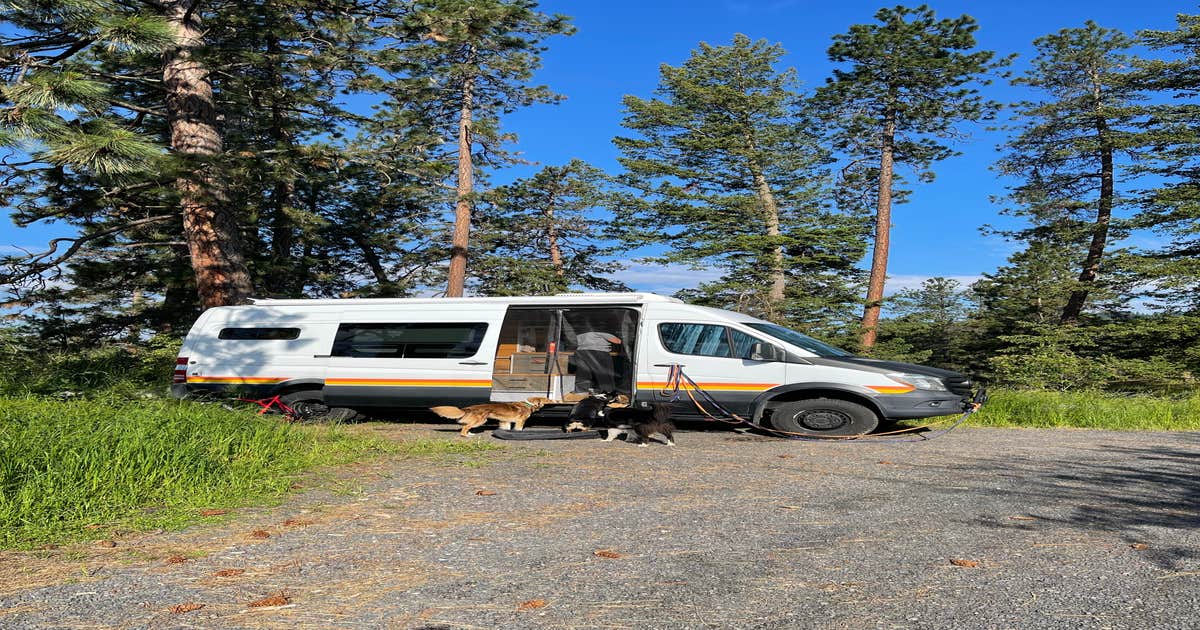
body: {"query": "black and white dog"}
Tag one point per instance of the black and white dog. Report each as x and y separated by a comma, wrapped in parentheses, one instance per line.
(588, 413)
(594, 413)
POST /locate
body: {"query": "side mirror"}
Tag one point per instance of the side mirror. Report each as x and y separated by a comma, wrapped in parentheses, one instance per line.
(765, 352)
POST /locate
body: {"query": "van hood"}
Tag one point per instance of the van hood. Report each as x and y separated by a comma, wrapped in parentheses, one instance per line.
(883, 367)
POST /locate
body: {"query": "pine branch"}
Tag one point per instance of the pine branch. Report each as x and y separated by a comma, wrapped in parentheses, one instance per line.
(137, 108)
(35, 264)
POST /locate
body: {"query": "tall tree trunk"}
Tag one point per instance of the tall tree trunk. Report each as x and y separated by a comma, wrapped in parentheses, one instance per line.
(304, 268)
(556, 259)
(883, 228)
(209, 228)
(280, 278)
(466, 185)
(778, 274)
(1091, 264)
(372, 260)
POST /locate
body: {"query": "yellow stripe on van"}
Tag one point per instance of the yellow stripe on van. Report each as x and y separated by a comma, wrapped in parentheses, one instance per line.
(892, 389)
(240, 380)
(406, 382)
(718, 387)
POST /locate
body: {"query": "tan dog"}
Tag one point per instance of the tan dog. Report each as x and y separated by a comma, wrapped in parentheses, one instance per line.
(508, 414)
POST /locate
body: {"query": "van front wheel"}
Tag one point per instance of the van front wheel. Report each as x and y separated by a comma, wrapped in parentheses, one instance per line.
(310, 407)
(824, 416)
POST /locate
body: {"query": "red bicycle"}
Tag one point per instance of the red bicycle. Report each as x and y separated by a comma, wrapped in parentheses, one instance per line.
(275, 404)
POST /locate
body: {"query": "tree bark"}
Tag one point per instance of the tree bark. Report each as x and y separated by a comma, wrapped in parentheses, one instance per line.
(209, 228)
(883, 227)
(372, 260)
(556, 259)
(778, 274)
(1091, 263)
(466, 180)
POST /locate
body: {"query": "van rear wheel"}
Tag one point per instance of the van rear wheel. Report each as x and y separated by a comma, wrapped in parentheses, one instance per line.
(824, 417)
(310, 406)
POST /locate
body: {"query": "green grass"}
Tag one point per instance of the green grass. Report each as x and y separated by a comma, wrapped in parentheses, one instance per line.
(137, 464)
(1089, 410)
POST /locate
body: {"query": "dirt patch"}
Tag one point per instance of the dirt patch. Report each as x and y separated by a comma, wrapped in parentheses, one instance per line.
(712, 533)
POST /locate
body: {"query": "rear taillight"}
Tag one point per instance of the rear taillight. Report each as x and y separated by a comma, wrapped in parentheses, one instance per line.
(180, 370)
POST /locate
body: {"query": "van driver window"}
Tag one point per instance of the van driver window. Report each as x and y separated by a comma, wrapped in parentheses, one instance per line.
(743, 344)
(408, 341)
(701, 339)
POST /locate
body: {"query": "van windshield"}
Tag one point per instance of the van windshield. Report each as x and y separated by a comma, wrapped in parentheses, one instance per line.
(799, 340)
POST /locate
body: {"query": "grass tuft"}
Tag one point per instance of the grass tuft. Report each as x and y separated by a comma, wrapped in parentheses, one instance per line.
(121, 464)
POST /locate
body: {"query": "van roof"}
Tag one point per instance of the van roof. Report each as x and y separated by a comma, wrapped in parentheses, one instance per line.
(579, 298)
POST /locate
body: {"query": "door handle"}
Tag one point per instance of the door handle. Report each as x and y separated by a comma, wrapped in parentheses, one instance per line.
(669, 365)
(320, 356)
(472, 362)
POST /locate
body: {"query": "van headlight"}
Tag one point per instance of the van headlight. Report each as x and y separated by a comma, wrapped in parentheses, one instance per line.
(920, 381)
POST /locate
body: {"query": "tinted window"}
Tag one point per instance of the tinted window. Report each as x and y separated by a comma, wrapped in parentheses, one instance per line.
(742, 343)
(799, 340)
(702, 339)
(408, 341)
(259, 333)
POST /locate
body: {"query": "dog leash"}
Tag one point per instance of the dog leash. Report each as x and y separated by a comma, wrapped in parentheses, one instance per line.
(677, 380)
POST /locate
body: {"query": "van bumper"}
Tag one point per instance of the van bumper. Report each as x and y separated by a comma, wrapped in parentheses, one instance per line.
(921, 404)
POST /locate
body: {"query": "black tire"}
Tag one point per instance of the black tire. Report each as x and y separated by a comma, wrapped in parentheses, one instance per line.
(310, 406)
(824, 416)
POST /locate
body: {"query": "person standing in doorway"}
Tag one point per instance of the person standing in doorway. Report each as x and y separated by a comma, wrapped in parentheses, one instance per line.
(594, 372)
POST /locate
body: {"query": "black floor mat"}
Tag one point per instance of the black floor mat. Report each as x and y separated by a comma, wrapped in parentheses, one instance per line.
(504, 434)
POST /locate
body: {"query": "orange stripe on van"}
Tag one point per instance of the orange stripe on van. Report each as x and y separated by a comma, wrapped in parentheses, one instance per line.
(407, 382)
(720, 387)
(892, 389)
(247, 380)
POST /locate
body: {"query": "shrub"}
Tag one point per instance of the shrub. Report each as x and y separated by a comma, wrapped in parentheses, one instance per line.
(1089, 410)
(32, 370)
(1057, 369)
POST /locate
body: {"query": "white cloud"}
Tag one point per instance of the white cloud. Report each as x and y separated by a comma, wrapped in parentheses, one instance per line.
(901, 282)
(667, 279)
(663, 279)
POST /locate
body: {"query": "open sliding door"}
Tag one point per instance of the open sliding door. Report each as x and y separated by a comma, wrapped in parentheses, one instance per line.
(536, 352)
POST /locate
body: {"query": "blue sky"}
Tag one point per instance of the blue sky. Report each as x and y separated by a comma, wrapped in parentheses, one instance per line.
(620, 45)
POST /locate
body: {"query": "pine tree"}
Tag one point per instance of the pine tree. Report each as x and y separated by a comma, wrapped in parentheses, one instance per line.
(61, 119)
(1032, 288)
(281, 182)
(1171, 137)
(545, 234)
(932, 320)
(1068, 151)
(904, 87)
(101, 57)
(725, 170)
(210, 229)
(472, 64)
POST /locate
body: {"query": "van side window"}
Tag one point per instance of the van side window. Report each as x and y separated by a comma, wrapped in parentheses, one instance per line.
(743, 344)
(408, 341)
(702, 339)
(247, 334)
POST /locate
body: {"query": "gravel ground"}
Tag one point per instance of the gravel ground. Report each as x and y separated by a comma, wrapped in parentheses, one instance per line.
(1057, 529)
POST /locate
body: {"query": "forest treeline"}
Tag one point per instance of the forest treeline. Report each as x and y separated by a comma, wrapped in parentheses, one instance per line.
(202, 152)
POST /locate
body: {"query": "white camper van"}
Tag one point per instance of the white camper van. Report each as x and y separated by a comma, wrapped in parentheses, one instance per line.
(334, 358)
